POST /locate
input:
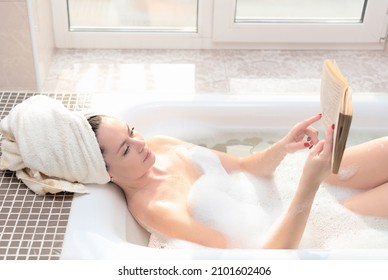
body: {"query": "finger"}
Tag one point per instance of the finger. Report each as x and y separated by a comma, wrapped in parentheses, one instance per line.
(306, 123)
(296, 146)
(312, 134)
(318, 148)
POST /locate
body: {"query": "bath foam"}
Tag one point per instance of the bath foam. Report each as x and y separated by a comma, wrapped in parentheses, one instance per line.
(330, 225)
(230, 205)
(244, 208)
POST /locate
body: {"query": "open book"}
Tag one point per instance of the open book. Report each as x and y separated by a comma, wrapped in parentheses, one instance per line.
(336, 105)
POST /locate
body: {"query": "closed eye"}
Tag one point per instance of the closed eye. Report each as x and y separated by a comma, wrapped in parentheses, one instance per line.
(131, 133)
(126, 150)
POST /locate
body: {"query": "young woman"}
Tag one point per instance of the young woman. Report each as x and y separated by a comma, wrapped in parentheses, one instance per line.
(157, 175)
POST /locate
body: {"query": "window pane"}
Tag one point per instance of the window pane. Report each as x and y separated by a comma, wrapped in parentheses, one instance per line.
(320, 11)
(133, 15)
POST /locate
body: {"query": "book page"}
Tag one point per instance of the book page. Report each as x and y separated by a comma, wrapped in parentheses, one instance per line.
(331, 95)
(336, 108)
(333, 87)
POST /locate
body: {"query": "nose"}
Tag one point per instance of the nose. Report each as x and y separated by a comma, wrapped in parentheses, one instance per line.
(138, 144)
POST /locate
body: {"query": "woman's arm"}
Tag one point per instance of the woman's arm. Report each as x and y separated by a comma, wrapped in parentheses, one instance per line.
(264, 163)
(174, 220)
(288, 232)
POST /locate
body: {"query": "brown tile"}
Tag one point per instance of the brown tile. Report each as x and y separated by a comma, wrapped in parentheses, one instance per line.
(24, 216)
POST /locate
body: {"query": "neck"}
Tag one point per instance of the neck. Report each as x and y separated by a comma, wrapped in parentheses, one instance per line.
(153, 177)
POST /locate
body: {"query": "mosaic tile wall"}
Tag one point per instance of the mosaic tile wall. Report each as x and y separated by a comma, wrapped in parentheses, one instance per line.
(32, 227)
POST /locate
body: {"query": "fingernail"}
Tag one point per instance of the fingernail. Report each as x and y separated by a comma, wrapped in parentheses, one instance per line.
(320, 114)
(306, 144)
(333, 126)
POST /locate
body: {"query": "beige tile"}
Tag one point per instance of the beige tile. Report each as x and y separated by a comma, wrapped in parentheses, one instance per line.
(17, 65)
(44, 33)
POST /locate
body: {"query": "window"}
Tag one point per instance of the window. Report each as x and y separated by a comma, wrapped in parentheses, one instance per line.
(302, 22)
(300, 11)
(133, 15)
(220, 23)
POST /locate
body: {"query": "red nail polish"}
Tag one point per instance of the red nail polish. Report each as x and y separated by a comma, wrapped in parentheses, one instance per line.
(320, 114)
(306, 144)
(333, 126)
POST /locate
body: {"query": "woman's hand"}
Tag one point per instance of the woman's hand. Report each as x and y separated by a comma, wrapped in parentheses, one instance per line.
(295, 139)
(290, 228)
(318, 163)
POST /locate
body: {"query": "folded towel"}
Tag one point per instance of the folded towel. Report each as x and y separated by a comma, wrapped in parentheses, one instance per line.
(51, 148)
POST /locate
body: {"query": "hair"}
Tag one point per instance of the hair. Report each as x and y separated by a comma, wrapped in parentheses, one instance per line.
(95, 122)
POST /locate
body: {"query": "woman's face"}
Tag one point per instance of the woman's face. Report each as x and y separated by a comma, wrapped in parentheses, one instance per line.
(124, 150)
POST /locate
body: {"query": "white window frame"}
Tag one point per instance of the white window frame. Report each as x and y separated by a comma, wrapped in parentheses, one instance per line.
(371, 33)
(217, 29)
(66, 39)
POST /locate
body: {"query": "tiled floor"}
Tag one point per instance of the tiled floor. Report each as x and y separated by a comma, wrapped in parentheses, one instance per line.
(29, 231)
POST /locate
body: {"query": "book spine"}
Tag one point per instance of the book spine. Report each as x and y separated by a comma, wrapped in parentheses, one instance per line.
(341, 136)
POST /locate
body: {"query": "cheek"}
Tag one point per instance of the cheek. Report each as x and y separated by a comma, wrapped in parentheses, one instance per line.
(129, 166)
(116, 166)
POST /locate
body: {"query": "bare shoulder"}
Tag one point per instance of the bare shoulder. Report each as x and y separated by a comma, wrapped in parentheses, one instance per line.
(154, 213)
(139, 204)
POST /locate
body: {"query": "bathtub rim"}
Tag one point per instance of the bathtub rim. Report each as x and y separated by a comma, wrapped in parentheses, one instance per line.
(118, 105)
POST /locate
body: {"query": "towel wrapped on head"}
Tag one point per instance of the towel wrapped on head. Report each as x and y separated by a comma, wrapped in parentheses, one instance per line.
(51, 148)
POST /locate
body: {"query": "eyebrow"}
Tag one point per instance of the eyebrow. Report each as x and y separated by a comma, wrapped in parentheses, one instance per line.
(123, 143)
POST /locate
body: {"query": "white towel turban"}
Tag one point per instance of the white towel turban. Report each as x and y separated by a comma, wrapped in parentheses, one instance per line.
(51, 148)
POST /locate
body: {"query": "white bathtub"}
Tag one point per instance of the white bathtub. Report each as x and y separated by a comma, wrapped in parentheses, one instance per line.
(100, 227)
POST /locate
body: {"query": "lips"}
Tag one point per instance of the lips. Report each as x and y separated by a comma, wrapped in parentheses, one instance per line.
(147, 155)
